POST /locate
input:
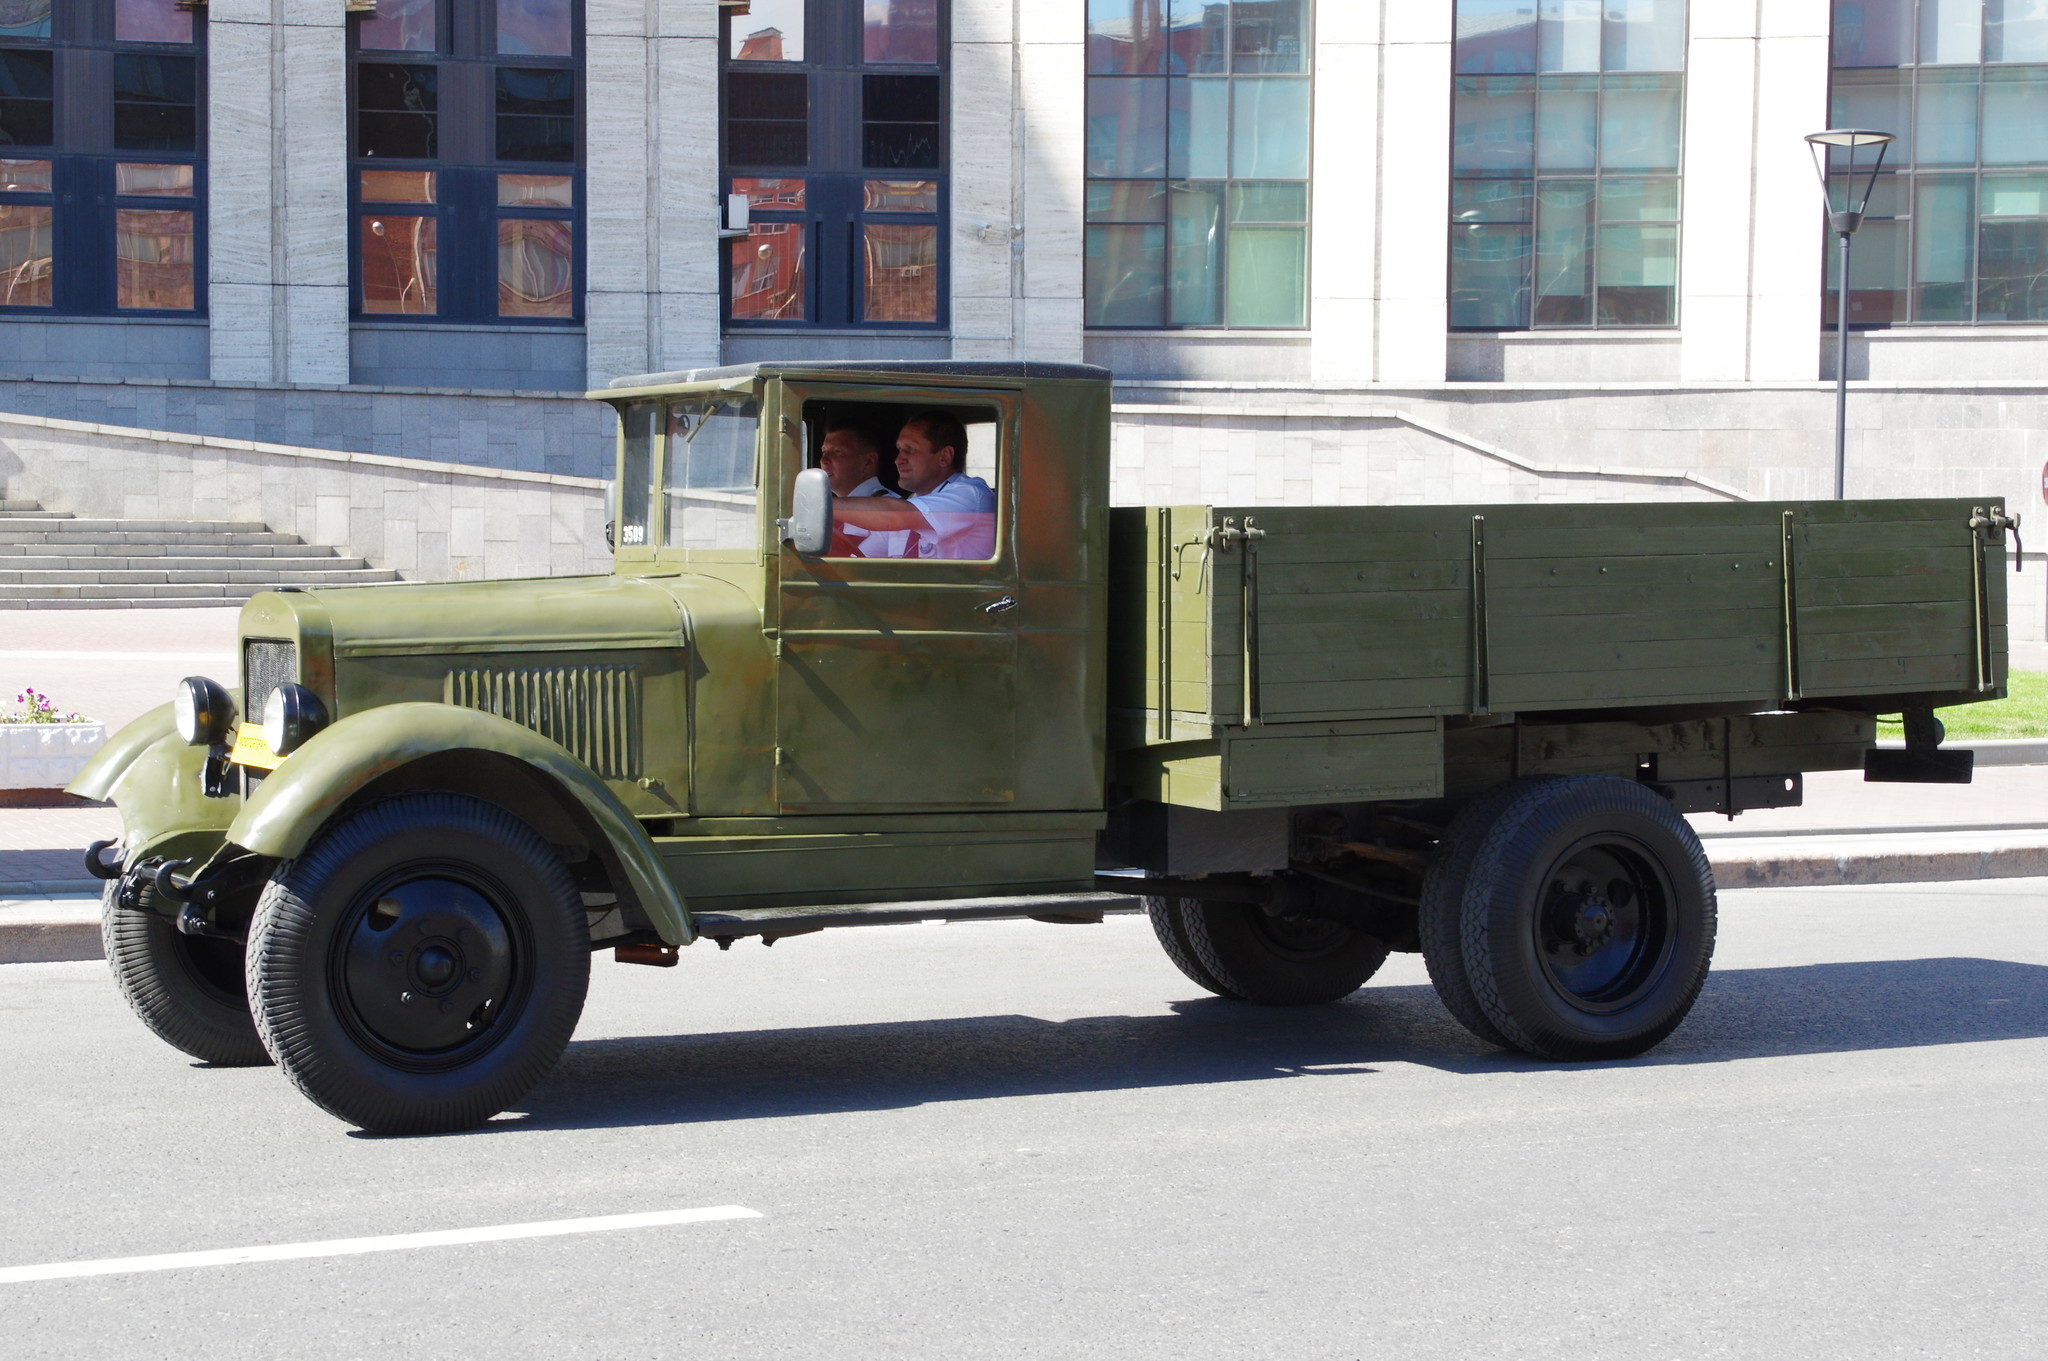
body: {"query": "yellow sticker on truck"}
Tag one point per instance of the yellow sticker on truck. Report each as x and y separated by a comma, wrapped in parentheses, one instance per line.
(251, 750)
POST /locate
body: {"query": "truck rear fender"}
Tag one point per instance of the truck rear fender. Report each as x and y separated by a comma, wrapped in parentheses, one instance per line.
(415, 745)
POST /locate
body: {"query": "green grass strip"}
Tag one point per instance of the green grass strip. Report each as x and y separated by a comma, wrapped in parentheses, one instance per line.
(2022, 713)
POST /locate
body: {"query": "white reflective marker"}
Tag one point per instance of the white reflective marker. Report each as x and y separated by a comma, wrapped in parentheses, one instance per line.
(349, 1247)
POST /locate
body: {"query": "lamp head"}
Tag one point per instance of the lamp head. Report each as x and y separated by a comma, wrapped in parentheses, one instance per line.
(1851, 138)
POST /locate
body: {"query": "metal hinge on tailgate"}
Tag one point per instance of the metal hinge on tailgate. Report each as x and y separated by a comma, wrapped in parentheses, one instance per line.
(1993, 527)
(1986, 530)
(1223, 538)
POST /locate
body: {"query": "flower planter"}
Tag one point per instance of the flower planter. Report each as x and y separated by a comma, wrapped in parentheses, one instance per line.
(46, 756)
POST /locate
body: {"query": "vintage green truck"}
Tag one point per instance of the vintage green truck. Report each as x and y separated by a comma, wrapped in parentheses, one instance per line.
(1298, 738)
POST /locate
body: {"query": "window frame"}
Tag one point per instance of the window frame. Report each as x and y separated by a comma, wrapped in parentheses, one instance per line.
(466, 168)
(82, 155)
(1604, 81)
(1224, 188)
(834, 67)
(1903, 183)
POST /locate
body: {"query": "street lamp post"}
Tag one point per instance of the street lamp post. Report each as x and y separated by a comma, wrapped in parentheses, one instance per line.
(1844, 222)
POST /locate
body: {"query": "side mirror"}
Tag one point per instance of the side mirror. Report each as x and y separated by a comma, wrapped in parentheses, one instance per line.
(809, 526)
(611, 515)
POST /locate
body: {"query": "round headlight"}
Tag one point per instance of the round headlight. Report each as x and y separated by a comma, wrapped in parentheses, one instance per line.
(290, 716)
(202, 712)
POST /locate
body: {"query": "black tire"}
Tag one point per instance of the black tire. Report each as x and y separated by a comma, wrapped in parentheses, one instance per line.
(188, 989)
(1570, 918)
(1165, 914)
(421, 966)
(1239, 950)
(1440, 921)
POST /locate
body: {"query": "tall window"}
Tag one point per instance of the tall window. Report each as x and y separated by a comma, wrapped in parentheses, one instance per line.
(1566, 117)
(101, 157)
(1198, 163)
(835, 133)
(467, 142)
(1958, 225)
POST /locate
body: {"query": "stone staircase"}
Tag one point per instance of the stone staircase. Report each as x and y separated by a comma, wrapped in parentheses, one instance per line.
(50, 560)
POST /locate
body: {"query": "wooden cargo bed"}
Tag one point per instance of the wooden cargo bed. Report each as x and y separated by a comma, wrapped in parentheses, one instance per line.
(1390, 616)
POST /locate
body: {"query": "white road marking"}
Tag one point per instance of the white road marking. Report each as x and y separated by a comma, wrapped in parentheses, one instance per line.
(13, 654)
(349, 1247)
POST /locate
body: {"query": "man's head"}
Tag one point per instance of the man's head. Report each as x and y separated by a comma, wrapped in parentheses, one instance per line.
(931, 448)
(849, 457)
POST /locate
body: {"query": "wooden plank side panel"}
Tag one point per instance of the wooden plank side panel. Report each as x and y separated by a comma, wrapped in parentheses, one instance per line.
(1369, 610)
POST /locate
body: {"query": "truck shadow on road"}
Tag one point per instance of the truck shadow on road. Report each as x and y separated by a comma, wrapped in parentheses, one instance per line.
(765, 1074)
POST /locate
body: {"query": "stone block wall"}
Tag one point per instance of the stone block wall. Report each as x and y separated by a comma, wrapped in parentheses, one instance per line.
(539, 432)
(428, 521)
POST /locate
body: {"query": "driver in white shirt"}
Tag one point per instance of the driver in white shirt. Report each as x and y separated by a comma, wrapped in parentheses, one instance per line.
(949, 512)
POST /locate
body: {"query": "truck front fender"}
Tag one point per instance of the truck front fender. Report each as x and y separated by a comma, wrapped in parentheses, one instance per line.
(296, 800)
(121, 750)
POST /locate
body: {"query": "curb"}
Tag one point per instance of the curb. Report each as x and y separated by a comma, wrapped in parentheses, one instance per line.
(2000, 751)
(71, 931)
(1904, 866)
(49, 932)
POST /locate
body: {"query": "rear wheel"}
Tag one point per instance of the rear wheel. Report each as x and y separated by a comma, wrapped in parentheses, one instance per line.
(1570, 918)
(421, 966)
(188, 989)
(1240, 950)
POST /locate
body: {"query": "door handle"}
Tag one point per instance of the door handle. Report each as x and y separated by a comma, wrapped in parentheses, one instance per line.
(1000, 604)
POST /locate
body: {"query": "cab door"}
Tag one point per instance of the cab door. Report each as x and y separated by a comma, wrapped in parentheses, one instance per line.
(896, 678)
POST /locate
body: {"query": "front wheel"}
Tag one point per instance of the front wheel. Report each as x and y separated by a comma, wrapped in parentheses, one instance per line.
(1570, 918)
(187, 989)
(421, 966)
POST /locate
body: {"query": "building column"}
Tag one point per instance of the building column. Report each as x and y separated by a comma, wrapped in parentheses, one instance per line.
(651, 205)
(1051, 121)
(1344, 190)
(277, 201)
(1753, 248)
(1407, 314)
(986, 246)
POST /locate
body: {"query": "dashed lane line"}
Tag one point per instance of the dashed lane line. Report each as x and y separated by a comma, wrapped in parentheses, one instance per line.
(350, 1247)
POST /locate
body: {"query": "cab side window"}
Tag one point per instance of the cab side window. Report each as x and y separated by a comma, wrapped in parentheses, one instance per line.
(909, 482)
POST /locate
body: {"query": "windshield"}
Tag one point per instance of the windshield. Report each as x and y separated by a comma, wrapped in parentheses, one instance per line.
(709, 482)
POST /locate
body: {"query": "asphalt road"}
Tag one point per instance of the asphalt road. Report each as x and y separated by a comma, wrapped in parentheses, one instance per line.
(1018, 1140)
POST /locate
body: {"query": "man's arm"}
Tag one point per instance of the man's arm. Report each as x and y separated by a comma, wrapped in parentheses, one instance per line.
(880, 513)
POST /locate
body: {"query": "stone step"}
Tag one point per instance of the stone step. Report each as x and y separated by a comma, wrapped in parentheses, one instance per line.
(198, 552)
(42, 536)
(71, 524)
(195, 592)
(164, 562)
(331, 577)
(10, 510)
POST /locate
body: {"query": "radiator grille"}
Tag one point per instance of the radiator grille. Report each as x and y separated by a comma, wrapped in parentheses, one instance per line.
(266, 664)
(594, 711)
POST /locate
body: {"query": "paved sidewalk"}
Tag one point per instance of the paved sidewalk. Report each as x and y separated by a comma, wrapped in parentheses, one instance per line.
(113, 665)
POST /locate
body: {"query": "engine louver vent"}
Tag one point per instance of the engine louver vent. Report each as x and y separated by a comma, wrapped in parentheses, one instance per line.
(266, 664)
(594, 711)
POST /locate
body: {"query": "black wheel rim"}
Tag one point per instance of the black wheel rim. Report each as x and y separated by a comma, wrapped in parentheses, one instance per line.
(430, 967)
(1606, 921)
(1300, 938)
(214, 966)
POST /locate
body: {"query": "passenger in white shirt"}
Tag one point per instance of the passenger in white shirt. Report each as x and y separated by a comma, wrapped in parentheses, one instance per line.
(949, 513)
(851, 460)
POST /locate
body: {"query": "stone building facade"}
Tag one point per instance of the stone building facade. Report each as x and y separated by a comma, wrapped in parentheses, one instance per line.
(1339, 251)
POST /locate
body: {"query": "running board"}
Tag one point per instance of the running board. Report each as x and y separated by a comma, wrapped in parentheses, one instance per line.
(776, 922)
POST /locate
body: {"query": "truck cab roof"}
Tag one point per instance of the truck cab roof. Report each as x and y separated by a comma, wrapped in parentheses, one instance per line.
(886, 368)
